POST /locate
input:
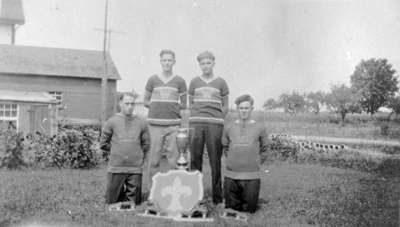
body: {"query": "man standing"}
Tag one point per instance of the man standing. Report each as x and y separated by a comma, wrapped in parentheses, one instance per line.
(209, 105)
(243, 141)
(127, 137)
(165, 96)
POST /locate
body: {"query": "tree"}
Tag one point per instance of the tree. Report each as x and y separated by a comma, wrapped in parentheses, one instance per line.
(292, 103)
(271, 104)
(375, 83)
(315, 100)
(342, 100)
(394, 104)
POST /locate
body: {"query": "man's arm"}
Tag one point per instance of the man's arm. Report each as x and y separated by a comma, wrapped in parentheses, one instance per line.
(105, 139)
(225, 98)
(145, 140)
(225, 140)
(147, 93)
(225, 104)
(146, 99)
(183, 95)
(264, 140)
(190, 95)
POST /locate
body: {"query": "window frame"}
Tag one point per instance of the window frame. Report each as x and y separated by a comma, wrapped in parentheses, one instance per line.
(59, 96)
(3, 109)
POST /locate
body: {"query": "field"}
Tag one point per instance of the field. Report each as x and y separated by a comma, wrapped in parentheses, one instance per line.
(327, 124)
(292, 194)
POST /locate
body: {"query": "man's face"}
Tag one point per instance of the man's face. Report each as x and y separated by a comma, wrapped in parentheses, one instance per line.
(167, 62)
(244, 109)
(127, 105)
(207, 65)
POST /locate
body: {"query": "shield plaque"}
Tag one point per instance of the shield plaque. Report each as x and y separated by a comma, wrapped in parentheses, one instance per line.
(177, 191)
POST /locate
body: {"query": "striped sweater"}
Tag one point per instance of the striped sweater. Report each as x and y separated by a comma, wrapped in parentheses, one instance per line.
(243, 143)
(166, 99)
(207, 97)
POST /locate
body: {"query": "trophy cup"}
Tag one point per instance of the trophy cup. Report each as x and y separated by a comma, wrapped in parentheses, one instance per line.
(182, 140)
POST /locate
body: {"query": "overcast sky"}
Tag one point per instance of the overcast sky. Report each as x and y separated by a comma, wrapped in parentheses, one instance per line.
(262, 47)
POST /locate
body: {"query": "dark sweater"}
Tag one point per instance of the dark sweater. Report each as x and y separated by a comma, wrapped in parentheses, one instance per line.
(166, 99)
(243, 144)
(128, 139)
(207, 100)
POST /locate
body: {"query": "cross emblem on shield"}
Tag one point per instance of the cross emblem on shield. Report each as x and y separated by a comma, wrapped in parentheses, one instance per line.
(177, 191)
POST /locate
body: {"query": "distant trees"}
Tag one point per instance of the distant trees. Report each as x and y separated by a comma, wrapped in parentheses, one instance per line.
(375, 83)
(342, 100)
(295, 102)
(292, 103)
(315, 100)
(394, 105)
(271, 104)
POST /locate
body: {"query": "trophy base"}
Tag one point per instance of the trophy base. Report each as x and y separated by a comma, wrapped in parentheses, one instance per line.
(198, 214)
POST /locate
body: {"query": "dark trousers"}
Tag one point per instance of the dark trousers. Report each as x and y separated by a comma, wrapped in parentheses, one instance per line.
(241, 195)
(123, 187)
(210, 135)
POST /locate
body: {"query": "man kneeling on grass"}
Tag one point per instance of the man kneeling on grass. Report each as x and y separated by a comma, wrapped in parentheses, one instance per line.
(242, 142)
(127, 136)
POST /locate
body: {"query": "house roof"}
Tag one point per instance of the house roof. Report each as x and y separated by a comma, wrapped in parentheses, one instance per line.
(11, 12)
(27, 96)
(55, 62)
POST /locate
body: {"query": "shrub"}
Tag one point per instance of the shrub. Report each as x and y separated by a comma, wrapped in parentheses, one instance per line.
(281, 148)
(77, 149)
(11, 144)
(42, 151)
(70, 148)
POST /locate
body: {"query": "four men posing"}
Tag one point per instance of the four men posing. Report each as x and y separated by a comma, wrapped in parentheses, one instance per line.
(166, 96)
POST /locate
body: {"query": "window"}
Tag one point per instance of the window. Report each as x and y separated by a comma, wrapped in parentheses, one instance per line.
(57, 95)
(9, 114)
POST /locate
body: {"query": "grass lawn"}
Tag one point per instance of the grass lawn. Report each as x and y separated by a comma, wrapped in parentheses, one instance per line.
(291, 195)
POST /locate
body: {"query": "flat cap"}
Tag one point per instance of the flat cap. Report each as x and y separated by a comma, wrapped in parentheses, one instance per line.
(205, 54)
(244, 98)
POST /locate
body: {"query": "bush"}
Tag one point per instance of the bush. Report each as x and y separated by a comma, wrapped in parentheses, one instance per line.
(70, 148)
(280, 148)
(77, 149)
(11, 148)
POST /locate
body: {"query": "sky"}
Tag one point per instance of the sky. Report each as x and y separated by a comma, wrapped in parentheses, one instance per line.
(262, 47)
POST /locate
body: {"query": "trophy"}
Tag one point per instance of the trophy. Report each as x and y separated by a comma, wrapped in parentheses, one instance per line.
(182, 140)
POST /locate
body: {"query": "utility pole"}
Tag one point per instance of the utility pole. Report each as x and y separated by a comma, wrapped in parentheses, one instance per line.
(105, 74)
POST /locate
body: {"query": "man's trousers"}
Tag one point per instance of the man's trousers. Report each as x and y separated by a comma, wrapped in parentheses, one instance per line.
(123, 187)
(241, 195)
(163, 152)
(210, 135)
